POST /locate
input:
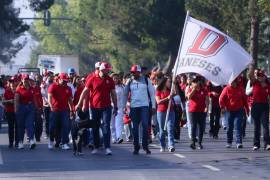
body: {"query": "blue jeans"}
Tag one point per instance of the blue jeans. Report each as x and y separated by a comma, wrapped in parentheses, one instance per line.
(25, 117)
(235, 117)
(103, 118)
(1, 115)
(59, 122)
(188, 119)
(161, 116)
(140, 115)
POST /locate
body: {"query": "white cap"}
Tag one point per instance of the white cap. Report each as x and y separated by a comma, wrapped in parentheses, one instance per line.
(97, 65)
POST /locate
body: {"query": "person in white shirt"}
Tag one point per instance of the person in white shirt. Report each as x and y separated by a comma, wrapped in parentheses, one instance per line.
(117, 123)
(142, 94)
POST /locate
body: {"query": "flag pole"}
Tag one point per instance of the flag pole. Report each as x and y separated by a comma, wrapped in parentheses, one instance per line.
(175, 68)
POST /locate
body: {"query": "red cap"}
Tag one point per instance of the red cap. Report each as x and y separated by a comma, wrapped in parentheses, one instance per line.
(63, 76)
(105, 65)
(25, 76)
(12, 79)
(136, 68)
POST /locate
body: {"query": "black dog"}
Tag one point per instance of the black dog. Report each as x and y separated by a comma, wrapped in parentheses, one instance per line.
(78, 128)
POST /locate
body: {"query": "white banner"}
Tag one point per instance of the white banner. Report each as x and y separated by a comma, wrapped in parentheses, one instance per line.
(209, 52)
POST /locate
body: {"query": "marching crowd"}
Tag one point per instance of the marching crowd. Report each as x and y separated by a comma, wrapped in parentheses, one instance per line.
(132, 107)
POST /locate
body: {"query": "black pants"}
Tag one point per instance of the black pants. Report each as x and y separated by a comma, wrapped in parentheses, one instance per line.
(177, 128)
(260, 115)
(244, 125)
(215, 121)
(38, 125)
(47, 111)
(198, 120)
(12, 128)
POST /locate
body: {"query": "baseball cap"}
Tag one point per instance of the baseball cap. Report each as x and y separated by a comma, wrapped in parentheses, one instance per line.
(71, 71)
(97, 65)
(104, 66)
(25, 76)
(63, 76)
(136, 68)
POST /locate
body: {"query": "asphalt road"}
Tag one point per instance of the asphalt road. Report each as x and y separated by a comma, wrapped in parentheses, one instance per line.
(213, 162)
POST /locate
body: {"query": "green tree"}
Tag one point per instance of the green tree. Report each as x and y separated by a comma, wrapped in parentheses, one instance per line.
(11, 27)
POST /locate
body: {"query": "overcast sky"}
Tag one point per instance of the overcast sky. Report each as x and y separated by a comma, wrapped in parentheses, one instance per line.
(23, 56)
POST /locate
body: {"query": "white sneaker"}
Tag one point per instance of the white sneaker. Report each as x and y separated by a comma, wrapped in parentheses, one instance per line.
(95, 151)
(162, 149)
(108, 151)
(228, 145)
(20, 145)
(171, 149)
(32, 144)
(65, 147)
(255, 148)
(239, 146)
(50, 145)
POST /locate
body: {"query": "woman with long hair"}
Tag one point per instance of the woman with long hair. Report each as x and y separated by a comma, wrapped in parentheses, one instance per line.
(25, 110)
(8, 102)
(163, 97)
(198, 103)
(260, 107)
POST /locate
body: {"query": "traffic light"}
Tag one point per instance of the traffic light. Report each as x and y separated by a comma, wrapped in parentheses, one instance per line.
(47, 18)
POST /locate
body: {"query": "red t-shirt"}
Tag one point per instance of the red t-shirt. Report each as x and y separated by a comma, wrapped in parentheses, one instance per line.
(8, 95)
(233, 98)
(162, 107)
(38, 96)
(60, 96)
(260, 94)
(197, 101)
(26, 95)
(183, 86)
(100, 91)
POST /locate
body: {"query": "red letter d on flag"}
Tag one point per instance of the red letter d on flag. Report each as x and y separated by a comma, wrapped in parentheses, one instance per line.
(207, 43)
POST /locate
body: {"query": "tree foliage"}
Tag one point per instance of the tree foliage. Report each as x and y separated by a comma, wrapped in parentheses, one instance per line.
(11, 27)
(234, 18)
(123, 32)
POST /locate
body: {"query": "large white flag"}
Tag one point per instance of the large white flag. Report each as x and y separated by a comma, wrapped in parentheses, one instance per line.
(209, 52)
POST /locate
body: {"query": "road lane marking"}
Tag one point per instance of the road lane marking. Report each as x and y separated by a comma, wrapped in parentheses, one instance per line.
(180, 156)
(212, 168)
(154, 145)
(1, 158)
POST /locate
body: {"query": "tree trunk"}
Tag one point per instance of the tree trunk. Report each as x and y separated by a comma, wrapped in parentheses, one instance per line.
(254, 32)
(268, 59)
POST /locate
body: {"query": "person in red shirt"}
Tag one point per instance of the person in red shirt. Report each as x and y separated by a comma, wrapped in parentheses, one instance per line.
(25, 111)
(8, 102)
(198, 103)
(39, 105)
(60, 102)
(233, 100)
(214, 93)
(79, 88)
(163, 97)
(101, 89)
(260, 107)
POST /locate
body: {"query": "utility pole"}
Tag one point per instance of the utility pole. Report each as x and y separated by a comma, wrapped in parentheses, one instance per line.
(47, 18)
